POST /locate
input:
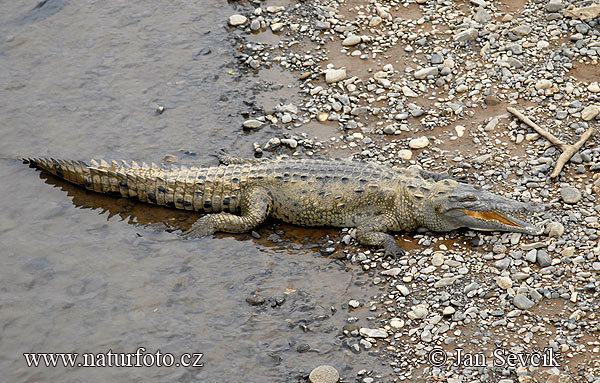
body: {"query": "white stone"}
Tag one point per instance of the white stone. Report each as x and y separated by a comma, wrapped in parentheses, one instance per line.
(590, 112)
(396, 323)
(462, 88)
(351, 41)
(437, 259)
(460, 130)
(424, 72)
(373, 332)
(404, 154)
(594, 87)
(252, 124)
(286, 118)
(449, 310)
(418, 312)
(504, 282)
(235, 20)
(290, 142)
(418, 143)
(375, 21)
(335, 75)
(273, 9)
(324, 374)
(392, 272)
(403, 289)
(276, 27)
(543, 84)
(353, 303)
(409, 92)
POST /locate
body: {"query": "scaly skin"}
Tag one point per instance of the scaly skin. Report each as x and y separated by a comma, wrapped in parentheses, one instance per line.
(375, 199)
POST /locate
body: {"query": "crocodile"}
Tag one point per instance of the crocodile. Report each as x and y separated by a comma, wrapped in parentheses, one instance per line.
(239, 194)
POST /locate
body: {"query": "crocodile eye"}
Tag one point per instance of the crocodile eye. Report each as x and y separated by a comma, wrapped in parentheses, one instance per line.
(470, 197)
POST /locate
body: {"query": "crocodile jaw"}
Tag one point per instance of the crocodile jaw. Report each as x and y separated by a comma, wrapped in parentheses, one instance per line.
(491, 220)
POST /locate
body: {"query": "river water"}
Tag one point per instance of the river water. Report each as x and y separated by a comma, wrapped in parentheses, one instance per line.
(87, 273)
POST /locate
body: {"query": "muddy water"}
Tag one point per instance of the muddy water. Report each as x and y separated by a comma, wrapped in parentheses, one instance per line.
(86, 273)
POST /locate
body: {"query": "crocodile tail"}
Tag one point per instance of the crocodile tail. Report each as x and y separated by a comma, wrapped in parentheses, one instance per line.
(76, 172)
(128, 180)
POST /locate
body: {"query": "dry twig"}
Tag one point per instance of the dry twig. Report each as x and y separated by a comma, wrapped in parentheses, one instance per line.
(568, 150)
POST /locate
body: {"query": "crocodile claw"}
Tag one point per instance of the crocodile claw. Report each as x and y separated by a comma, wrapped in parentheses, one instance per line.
(393, 251)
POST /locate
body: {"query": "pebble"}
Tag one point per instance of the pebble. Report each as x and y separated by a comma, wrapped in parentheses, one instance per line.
(351, 41)
(255, 300)
(460, 130)
(423, 73)
(286, 118)
(521, 30)
(323, 116)
(522, 302)
(252, 124)
(418, 312)
(504, 282)
(554, 6)
(543, 84)
(437, 259)
(396, 323)
(590, 112)
(555, 229)
(594, 87)
(570, 195)
(482, 16)
(531, 256)
(418, 143)
(467, 35)
(335, 75)
(353, 303)
(404, 154)
(277, 27)
(373, 332)
(448, 310)
(324, 374)
(235, 20)
(543, 258)
(409, 92)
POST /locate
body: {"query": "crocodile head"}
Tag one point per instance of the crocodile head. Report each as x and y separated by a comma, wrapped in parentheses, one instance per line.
(453, 205)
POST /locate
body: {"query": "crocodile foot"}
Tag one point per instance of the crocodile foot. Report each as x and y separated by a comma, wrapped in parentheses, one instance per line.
(392, 249)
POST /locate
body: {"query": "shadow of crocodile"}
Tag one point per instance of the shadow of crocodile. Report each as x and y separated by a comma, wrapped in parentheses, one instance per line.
(273, 233)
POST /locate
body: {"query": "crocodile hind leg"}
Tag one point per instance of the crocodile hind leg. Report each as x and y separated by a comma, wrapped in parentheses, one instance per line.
(256, 204)
(373, 233)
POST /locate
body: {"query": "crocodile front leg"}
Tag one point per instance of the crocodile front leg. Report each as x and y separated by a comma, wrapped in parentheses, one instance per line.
(373, 233)
(256, 204)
